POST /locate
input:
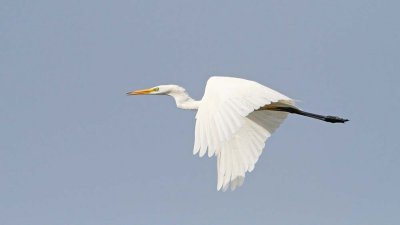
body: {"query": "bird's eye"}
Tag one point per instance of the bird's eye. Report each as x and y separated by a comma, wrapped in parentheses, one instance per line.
(156, 89)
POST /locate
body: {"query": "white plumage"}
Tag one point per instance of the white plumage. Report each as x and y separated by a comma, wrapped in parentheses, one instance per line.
(228, 126)
(234, 119)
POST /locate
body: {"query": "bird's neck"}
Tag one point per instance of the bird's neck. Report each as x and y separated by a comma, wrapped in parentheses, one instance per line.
(184, 101)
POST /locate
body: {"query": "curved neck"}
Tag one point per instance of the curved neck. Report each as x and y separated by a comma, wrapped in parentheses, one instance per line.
(184, 101)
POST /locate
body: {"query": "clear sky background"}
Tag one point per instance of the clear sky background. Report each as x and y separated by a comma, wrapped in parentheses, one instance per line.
(75, 150)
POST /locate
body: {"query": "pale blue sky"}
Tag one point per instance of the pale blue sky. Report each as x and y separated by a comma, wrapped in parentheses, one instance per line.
(75, 150)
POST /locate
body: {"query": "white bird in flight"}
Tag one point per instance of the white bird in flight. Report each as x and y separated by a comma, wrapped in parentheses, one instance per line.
(234, 119)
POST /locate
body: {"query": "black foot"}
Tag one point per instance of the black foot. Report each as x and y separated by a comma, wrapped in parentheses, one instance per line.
(335, 119)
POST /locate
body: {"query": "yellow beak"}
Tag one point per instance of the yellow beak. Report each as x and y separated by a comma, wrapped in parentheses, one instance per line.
(141, 92)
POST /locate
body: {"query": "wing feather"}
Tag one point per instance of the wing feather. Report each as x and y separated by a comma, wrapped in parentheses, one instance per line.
(228, 126)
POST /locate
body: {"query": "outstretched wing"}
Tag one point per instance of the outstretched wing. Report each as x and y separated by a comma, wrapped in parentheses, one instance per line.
(228, 126)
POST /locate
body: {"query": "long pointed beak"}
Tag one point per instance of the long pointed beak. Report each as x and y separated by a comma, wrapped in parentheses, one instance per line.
(141, 92)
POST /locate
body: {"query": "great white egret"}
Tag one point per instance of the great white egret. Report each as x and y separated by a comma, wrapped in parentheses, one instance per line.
(234, 119)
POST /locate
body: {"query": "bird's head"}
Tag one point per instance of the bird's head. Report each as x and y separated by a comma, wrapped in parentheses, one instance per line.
(158, 90)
